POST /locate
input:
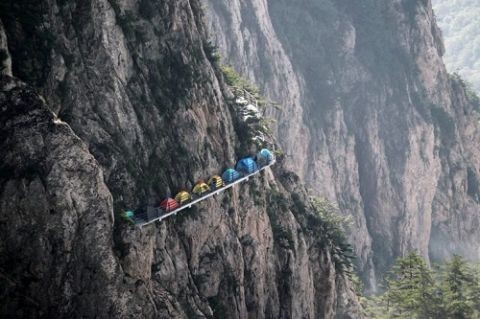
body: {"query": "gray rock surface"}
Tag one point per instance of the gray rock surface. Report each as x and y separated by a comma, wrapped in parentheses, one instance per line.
(5, 60)
(125, 105)
(375, 123)
(56, 249)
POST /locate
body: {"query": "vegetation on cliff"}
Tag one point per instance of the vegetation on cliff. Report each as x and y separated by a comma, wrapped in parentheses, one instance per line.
(414, 290)
(460, 24)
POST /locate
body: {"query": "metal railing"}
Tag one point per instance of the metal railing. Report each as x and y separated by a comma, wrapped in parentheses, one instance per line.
(154, 214)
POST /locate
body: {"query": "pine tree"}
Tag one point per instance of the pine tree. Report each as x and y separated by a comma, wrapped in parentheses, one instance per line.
(474, 290)
(455, 289)
(413, 290)
(410, 288)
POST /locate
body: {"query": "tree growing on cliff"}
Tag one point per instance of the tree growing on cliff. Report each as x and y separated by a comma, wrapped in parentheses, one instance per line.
(327, 221)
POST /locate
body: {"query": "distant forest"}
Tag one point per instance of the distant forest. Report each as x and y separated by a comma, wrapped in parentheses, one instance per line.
(460, 24)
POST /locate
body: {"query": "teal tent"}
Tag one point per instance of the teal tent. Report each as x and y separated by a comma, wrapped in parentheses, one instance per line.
(230, 175)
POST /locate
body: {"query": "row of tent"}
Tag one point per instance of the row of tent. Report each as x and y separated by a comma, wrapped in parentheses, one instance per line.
(245, 166)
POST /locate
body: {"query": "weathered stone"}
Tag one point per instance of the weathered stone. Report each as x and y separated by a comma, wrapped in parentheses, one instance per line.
(141, 111)
(370, 118)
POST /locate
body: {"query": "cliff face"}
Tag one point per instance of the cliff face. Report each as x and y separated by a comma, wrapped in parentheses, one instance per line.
(370, 118)
(48, 265)
(123, 105)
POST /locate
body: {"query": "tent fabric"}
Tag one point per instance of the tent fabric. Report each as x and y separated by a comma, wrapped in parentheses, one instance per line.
(182, 197)
(128, 214)
(215, 182)
(264, 157)
(200, 188)
(169, 204)
(230, 175)
(246, 165)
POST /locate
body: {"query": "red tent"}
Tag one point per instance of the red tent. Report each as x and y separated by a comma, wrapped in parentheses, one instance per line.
(169, 204)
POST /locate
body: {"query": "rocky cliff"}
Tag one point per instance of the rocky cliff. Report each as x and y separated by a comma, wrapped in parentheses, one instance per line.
(108, 104)
(370, 118)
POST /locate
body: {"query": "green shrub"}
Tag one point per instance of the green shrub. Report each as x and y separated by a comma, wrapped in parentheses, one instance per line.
(211, 50)
(329, 227)
(299, 205)
(237, 81)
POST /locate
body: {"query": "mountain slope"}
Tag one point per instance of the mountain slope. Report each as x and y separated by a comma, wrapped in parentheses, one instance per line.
(123, 105)
(370, 118)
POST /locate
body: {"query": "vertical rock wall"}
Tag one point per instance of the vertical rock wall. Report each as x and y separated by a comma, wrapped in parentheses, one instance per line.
(376, 123)
(124, 105)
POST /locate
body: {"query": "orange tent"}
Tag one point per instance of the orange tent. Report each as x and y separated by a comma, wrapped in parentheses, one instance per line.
(169, 204)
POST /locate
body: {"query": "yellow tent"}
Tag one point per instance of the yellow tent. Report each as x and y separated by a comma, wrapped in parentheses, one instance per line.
(215, 182)
(182, 197)
(200, 189)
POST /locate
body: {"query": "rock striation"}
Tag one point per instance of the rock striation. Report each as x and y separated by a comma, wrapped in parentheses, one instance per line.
(116, 104)
(370, 118)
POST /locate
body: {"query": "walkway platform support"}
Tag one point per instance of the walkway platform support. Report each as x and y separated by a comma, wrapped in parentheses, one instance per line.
(154, 214)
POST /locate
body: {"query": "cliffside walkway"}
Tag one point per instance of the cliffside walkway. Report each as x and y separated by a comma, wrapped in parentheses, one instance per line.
(154, 214)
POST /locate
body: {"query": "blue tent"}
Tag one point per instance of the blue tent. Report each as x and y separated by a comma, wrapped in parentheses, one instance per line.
(264, 157)
(246, 165)
(230, 175)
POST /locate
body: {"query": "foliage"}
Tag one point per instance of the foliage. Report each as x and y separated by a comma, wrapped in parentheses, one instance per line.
(237, 81)
(471, 95)
(413, 290)
(320, 220)
(455, 281)
(357, 284)
(460, 24)
(410, 288)
(252, 127)
(474, 287)
(211, 51)
(330, 227)
(283, 236)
